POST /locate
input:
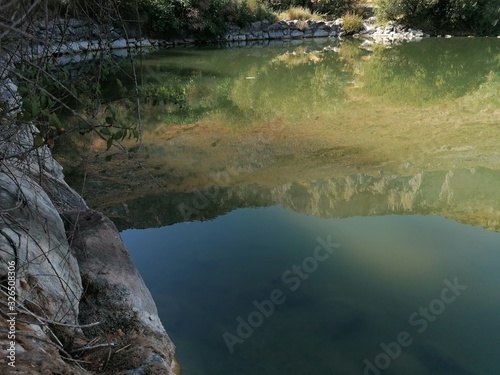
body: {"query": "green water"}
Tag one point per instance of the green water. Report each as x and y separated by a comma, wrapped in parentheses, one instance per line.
(204, 275)
(375, 170)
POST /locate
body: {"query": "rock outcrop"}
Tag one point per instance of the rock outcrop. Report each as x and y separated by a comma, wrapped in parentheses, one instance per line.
(72, 301)
(115, 295)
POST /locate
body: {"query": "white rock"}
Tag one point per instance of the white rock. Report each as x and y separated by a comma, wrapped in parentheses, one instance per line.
(120, 43)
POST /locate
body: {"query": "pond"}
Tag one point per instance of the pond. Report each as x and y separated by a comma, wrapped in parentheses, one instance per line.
(316, 207)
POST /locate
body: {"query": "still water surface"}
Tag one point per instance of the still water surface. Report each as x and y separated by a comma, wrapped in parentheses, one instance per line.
(251, 157)
(204, 275)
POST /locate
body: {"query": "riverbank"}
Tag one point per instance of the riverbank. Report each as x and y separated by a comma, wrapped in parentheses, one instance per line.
(72, 300)
(86, 306)
(73, 40)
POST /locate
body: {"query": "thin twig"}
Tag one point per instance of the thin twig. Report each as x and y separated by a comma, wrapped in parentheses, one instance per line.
(125, 347)
(87, 347)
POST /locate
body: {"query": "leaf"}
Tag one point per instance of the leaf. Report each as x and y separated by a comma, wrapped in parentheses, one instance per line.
(84, 126)
(23, 90)
(38, 141)
(105, 131)
(27, 104)
(34, 109)
(43, 102)
(109, 120)
(118, 135)
(54, 121)
(109, 143)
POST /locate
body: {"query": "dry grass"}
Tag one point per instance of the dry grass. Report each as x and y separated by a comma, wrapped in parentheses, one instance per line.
(300, 13)
(352, 23)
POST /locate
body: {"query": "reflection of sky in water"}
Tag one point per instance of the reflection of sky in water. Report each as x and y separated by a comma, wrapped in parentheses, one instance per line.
(204, 275)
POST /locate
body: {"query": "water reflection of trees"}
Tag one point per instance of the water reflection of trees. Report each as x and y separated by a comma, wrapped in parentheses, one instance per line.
(430, 71)
(292, 85)
(240, 88)
(295, 86)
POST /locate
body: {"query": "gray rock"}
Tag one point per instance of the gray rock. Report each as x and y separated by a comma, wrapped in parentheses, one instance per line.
(48, 278)
(115, 293)
(256, 25)
(257, 35)
(308, 33)
(321, 33)
(275, 34)
(297, 34)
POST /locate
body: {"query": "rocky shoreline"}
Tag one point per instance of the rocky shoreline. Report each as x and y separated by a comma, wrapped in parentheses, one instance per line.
(81, 305)
(72, 300)
(72, 40)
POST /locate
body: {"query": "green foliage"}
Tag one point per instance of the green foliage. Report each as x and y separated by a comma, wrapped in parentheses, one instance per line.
(480, 17)
(337, 8)
(427, 73)
(388, 10)
(162, 17)
(281, 5)
(49, 92)
(205, 19)
(352, 23)
(331, 8)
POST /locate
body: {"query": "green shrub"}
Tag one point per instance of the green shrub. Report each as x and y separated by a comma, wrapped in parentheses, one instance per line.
(388, 10)
(280, 5)
(249, 11)
(162, 17)
(337, 8)
(205, 19)
(446, 16)
(352, 23)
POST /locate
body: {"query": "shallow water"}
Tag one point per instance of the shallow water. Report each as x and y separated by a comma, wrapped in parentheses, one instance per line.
(375, 170)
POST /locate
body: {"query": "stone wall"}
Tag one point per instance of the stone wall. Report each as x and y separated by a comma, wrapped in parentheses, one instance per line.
(70, 37)
(295, 29)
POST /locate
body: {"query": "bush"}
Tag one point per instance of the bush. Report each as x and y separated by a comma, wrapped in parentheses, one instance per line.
(281, 5)
(337, 8)
(445, 16)
(352, 23)
(300, 13)
(206, 19)
(162, 17)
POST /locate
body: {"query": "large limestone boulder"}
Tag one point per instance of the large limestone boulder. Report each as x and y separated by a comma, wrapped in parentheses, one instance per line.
(82, 308)
(115, 295)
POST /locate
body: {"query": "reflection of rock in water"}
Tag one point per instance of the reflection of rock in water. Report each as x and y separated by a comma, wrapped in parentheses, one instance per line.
(468, 196)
